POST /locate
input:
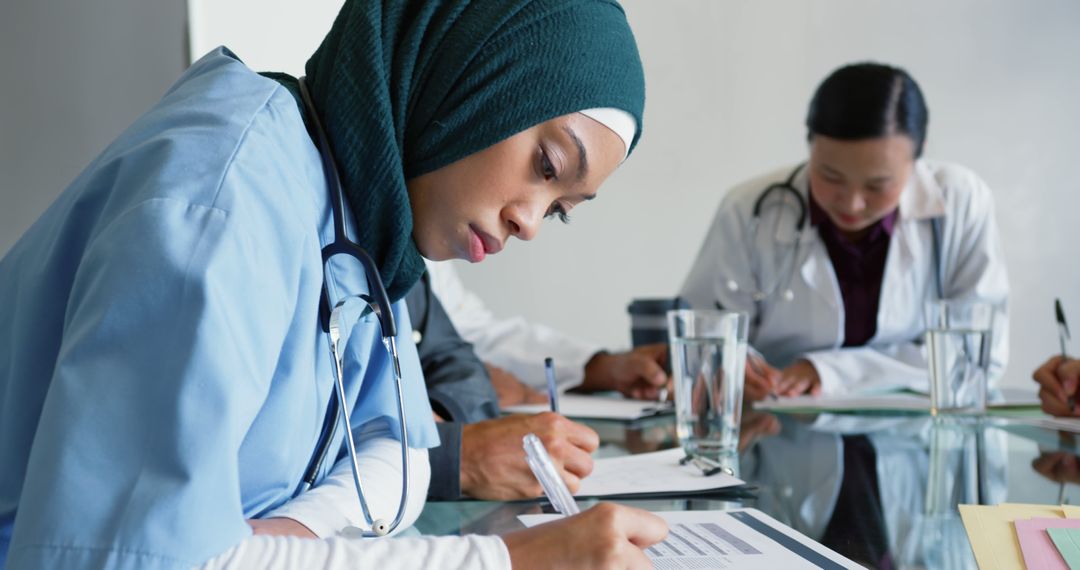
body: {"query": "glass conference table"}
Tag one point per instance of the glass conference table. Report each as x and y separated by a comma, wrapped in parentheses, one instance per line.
(879, 488)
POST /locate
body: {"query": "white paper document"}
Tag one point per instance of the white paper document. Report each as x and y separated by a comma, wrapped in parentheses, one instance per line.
(901, 401)
(1045, 422)
(596, 407)
(740, 538)
(648, 473)
(893, 401)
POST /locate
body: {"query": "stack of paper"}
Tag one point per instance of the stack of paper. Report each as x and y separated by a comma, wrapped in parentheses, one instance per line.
(597, 407)
(1015, 536)
(1044, 422)
(904, 401)
(649, 474)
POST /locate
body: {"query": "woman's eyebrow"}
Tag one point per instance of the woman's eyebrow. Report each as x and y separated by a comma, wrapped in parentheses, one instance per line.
(583, 156)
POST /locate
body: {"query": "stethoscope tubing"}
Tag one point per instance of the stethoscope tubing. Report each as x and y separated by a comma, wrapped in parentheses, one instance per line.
(379, 303)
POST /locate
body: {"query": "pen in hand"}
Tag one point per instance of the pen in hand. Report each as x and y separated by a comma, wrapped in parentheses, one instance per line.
(555, 489)
(1063, 336)
(553, 393)
(754, 360)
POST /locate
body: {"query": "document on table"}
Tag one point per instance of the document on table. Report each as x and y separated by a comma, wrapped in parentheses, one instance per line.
(890, 401)
(740, 538)
(597, 407)
(1045, 422)
(653, 473)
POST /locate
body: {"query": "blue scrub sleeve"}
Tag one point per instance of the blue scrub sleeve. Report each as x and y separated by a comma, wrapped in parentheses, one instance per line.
(162, 368)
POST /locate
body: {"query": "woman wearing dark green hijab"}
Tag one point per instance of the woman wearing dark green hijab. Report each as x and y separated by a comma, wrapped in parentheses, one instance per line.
(163, 374)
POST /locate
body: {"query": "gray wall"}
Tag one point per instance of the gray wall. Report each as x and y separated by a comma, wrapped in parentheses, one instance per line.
(75, 74)
(728, 83)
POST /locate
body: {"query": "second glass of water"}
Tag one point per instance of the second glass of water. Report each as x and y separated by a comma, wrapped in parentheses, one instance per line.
(708, 358)
(958, 355)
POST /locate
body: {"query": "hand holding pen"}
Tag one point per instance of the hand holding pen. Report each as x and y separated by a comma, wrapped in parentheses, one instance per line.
(762, 380)
(555, 489)
(1058, 381)
(1059, 377)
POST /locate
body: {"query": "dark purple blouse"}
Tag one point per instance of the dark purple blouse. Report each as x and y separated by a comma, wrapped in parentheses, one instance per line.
(859, 267)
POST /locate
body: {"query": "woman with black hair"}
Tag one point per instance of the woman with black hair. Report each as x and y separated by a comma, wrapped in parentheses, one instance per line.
(835, 258)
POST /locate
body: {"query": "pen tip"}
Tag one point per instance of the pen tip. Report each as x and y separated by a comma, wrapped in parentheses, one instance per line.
(549, 361)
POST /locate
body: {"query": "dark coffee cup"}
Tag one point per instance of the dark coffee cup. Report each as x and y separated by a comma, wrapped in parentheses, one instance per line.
(648, 319)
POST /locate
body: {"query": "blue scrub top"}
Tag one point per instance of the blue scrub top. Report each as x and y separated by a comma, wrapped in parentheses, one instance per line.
(163, 375)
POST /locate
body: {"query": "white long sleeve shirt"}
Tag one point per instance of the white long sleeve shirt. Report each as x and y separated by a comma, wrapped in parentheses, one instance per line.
(331, 510)
(511, 343)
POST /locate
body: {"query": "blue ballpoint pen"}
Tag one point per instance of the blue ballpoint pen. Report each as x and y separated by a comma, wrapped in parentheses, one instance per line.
(553, 393)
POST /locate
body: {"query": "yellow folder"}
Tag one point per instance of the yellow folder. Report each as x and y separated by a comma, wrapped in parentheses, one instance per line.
(992, 536)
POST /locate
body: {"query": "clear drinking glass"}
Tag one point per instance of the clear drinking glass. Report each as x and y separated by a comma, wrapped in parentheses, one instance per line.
(708, 358)
(958, 346)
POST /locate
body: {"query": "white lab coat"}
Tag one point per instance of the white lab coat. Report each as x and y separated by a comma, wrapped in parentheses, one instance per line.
(511, 343)
(811, 324)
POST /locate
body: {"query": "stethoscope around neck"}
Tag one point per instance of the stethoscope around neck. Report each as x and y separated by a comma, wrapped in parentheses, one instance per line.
(759, 293)
(786, 189)
(334, 321)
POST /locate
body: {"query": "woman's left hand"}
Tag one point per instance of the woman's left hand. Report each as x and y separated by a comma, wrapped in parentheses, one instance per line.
(280, 526)
(799, 378)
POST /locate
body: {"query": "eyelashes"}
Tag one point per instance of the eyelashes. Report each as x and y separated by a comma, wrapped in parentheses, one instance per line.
(547, 170)
(557, 210)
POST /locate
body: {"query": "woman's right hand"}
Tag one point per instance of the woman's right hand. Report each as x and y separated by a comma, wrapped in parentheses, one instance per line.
(605, 536)
(1058, 380)
(761, 379)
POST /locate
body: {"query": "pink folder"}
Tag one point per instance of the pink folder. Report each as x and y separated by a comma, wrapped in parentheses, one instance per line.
(1035, 544)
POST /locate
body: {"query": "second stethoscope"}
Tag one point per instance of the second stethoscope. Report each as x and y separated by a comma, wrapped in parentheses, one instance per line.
(786, 189)
(788, 194)
(334, 322)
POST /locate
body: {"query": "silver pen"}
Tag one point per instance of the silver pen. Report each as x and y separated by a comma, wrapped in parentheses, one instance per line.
(539, 461)
(1063, 336)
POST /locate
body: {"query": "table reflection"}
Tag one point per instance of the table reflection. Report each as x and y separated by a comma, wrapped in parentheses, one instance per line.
(880, 489)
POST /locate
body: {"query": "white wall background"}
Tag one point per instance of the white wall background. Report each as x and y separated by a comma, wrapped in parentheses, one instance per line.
(728, 84)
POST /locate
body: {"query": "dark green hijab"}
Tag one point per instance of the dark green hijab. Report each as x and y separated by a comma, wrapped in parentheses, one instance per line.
(405, 87)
